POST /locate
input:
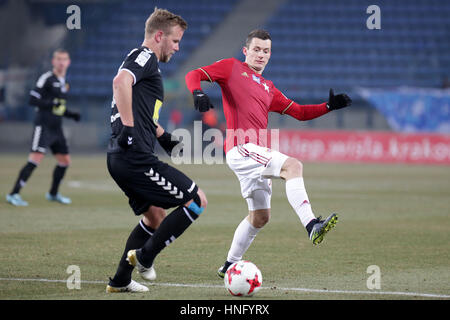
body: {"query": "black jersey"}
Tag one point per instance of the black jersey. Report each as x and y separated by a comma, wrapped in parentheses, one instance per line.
(48, 87)
(147, 99)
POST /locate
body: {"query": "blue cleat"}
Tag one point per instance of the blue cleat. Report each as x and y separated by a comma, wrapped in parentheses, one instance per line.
(16, 200)
(58, 198)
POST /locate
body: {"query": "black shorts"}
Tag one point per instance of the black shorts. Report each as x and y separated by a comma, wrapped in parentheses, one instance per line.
(152, 184)
(47, 137)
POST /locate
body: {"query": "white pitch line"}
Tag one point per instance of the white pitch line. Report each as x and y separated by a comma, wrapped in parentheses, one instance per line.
(394, 293)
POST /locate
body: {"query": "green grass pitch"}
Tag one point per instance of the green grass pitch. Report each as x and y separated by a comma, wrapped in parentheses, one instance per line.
(396, 217)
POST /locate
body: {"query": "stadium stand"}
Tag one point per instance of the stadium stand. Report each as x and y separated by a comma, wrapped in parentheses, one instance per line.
(323, 44)
(317, 44)
(95, 62)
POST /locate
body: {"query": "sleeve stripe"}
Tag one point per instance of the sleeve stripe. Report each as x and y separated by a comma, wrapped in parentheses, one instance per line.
(290, 104)
(130, 72)
(41, 81)
(35, 94)
(206, 75)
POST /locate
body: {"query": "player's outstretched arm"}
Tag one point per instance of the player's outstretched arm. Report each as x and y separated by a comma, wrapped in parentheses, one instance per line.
(283, 105)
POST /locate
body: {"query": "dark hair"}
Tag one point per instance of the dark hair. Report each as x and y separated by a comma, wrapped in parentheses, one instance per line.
(60, 50)
(257, 33)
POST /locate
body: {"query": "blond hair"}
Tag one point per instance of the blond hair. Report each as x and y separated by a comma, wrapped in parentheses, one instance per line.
(162, 19)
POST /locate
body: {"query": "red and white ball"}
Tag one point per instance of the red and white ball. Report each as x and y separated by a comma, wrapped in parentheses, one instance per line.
(243, 278)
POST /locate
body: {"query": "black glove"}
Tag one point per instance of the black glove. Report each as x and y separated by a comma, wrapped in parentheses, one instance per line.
(338, 101)
(168, 142)
(201, 101)
(125, 139)
(72, 115)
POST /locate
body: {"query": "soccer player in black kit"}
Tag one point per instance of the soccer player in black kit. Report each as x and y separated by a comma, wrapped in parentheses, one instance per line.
(49, 97)
(150, 184)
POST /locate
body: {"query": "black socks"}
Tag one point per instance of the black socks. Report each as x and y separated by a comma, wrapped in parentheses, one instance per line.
(24, 174)
(138, 237)
(58, 175)
(27, 170)
(171, 228)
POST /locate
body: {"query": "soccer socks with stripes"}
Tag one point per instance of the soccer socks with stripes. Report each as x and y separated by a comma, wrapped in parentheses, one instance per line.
(243, 237)
(24, 174)
(58, 175)
(138, 237)
(170, 229)
(298, 199)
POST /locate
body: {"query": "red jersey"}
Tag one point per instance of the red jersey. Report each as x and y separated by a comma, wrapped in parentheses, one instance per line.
(247, 100)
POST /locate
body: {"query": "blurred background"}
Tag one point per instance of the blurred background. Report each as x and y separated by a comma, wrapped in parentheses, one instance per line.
(397, 75)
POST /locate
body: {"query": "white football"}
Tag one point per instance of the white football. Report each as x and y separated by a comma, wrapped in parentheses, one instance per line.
(243, 278)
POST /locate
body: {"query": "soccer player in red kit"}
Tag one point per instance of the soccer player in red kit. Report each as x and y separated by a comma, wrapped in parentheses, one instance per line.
(247, 100)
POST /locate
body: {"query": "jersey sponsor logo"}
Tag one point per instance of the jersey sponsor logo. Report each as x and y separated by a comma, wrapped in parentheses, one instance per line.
(142, 58)
(256, 79)
(59, 110)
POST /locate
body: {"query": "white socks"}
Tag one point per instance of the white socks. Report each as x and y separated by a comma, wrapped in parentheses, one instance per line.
(298, 198)
(245, 232)
(243, 237)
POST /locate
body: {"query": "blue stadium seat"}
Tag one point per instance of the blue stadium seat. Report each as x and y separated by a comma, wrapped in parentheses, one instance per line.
(323, 44)
(109, 40)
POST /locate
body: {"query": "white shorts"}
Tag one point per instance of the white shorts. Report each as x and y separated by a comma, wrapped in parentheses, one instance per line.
(254, 166)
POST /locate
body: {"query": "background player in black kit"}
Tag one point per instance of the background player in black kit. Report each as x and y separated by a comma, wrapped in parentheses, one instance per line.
(148, 183)
(49, 96)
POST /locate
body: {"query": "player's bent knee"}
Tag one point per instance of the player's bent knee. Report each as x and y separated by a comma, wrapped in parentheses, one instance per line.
(295, 165)
(259, 218)
(202, 195)
(36, 157)
(292, 168)
(262, 220)
(63, 160)
(154, 216)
